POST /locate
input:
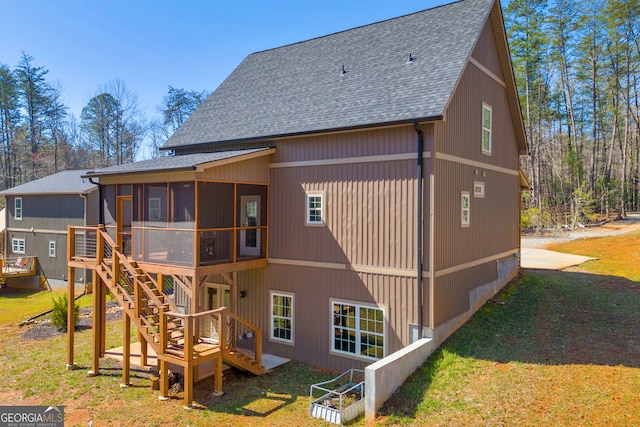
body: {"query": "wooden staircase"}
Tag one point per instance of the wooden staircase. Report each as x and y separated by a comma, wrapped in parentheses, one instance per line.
(165, 330)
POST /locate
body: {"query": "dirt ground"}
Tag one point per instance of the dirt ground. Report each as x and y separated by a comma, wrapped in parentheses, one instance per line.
(562, 235)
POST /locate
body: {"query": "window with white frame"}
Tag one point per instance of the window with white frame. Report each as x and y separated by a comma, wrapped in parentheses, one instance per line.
(155, 210)
(282, 317)
(314, 215)
(18, 208)
(358, 330)
(52, 249)
(17, 246)
(486, 129)
(478, 189)
(465, 209)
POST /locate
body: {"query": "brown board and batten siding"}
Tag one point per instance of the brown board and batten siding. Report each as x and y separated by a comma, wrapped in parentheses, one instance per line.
(364, 253)
(381, 174)
(468, 257)
(315, 287)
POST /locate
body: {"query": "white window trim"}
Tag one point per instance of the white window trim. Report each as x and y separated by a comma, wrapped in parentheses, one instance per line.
(307, 209)
(490, 129)
(478, 189)
(465, 223)
(16, 209)
(357, 305)
(271, 317)
(16, 244)
(158, 208)
(52, 249)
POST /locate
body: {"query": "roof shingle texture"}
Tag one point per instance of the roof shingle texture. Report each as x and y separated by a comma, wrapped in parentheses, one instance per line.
(300, 88)
(67, 182)
(171, 163)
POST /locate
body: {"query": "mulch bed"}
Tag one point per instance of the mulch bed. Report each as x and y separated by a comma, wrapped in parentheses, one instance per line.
(41, 328)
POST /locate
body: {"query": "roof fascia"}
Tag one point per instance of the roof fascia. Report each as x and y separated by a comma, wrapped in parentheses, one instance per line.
(216, 163)
(201, 145)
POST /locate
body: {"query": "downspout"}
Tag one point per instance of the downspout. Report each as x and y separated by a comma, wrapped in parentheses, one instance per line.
(416, 127)
(100, 201)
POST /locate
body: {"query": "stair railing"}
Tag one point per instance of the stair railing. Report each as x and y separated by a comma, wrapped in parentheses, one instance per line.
(245, 337)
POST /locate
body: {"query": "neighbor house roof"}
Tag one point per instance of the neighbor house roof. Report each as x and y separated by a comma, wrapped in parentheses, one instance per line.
(67, 182)
(352, 79)
(182, 162)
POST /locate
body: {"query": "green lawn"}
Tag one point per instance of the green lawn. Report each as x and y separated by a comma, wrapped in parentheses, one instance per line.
(553, 348)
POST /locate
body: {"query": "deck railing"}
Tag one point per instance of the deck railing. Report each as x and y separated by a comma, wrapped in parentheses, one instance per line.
(16, 266)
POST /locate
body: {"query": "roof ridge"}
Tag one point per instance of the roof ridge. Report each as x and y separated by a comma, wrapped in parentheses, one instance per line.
(358, 27)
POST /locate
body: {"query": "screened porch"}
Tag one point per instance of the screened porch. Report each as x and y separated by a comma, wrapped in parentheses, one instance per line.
(188, 223)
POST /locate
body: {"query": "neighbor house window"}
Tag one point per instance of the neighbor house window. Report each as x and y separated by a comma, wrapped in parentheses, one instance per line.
(478, 189)
(282, 317)
(357, 330)
(52, 249)
(486, 129)
(314, 209)
(465, 209)
(17, 246)
(18, 208)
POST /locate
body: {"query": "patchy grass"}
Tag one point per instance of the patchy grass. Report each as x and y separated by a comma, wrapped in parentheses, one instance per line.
(16, 306)
(553, 348)
(617, 256)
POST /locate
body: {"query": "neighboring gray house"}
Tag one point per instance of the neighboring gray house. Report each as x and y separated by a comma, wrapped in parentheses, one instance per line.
(38, 214)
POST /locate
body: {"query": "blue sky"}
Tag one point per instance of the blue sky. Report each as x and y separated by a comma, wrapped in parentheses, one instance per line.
(150, 45)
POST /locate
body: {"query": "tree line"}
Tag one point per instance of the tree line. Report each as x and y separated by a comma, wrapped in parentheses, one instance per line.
(577, 65)
(38, 136)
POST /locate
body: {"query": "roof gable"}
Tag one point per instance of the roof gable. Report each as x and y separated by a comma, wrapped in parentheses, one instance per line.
(301, 88)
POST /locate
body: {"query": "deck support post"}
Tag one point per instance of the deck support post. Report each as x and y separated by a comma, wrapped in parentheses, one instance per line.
(143, 349)
(217, 377)
(96, 335)
(126, 349)
(163, 366)
(71, 319)
(103, 313)
(188, 367)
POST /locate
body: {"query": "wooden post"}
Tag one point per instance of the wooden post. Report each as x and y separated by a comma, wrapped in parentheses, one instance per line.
(126, 349)
(217, 377)
(160, 279)
(71, 320)
(164, 379)
(188, 356)
(103, 312)
(96, 336)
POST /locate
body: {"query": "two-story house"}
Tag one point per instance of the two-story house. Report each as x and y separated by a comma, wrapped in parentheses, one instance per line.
(346, 195)
(38, 214)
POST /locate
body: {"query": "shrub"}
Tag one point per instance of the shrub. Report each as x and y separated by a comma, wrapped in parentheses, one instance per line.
(59, 314)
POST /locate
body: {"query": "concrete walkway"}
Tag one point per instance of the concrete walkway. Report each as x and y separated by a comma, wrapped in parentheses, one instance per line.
(543, 259)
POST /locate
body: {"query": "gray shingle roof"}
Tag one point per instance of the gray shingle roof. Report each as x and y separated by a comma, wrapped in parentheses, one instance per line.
(173, 163)
(67, 182)
(299, 88)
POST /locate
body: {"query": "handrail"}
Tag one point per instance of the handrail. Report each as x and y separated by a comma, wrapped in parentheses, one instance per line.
(153, 297)
(197, 315)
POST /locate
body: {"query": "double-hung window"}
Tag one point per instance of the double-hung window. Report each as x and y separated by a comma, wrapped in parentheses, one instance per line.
(52, 249)
(282, 317)
(314, 213)
(465, 209)
(358, 330)
(486, 129)
(17, 246)
(18, 208)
